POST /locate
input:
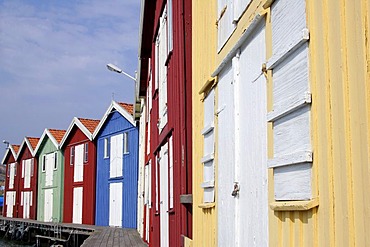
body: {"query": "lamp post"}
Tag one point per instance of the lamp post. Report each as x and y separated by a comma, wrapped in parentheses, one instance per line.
(6, 143)
(137, 103)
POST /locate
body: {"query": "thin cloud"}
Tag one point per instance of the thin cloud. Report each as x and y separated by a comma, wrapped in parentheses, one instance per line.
(52, 61)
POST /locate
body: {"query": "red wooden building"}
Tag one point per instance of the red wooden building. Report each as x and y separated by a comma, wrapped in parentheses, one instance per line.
(11, 195)
(165, 80)
(79, 172)
(27, 206)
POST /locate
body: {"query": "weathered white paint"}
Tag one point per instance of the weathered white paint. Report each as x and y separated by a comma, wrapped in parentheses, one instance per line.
(11, 175)
(293, 182)
(48, 205)
(226, 158)
(288, 19)
(209, 148)
(291, 159)
(116, 156)
(10, 202)
(295, 43)
(225, 23)
(291, 133)
(78, 163)
(246, 33)
(163, 211)
(242, 145)
(291, 77)
(115, 204)
(291, 107)
(239, 7)
(77, 205)
(288, 107)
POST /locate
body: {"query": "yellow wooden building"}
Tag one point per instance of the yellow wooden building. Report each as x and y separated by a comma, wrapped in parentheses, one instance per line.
(281, 123)
(204, 44)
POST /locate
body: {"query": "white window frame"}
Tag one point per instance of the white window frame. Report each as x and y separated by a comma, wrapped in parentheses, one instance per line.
(43, 163)
(55, 161)
(86, 152)
(106, 147)
(72, 156)
(125, 143)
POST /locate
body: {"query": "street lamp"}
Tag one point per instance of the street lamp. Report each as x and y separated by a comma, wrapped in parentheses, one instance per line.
(137, 102)
(114, 68)
(6, 143)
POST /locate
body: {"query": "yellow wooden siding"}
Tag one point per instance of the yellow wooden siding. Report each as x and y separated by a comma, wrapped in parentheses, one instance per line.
(340, 84)
(204, 43)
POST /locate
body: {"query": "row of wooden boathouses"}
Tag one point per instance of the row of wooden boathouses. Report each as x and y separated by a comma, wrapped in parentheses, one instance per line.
(86, 174)
(254, 130)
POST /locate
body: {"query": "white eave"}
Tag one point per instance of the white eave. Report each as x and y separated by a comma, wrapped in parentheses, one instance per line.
(9, 149)
(81, 126)
(51, 137)
(114, 105)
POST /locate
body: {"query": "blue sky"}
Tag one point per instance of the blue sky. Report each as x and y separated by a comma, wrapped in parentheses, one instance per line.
(53, 57)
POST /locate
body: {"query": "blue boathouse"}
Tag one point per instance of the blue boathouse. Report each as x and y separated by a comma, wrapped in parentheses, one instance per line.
(117, 145)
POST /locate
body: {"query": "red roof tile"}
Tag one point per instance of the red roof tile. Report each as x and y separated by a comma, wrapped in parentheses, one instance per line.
(90, 124)
(58, 134)
(33, 141)
(16, 148)
(128, 107)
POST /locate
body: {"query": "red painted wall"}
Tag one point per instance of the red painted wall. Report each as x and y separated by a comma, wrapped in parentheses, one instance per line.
(76, 137)
(179, 115)
(25, 154)
(10, 159)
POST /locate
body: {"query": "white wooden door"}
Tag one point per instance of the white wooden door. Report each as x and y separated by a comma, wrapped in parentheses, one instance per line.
(116, 155)
(77, 205)
(243, 219)
(115, 204)
(26, 203)
(49, 167)
(163, 190)
(10, 202)
(251, 136)
(48, 205)
(79, 163)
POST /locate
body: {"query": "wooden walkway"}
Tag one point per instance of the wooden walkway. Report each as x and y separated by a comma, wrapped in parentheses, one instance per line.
(99, 236)
(114, 237)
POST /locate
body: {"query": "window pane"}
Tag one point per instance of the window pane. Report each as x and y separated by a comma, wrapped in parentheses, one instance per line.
(86, 152)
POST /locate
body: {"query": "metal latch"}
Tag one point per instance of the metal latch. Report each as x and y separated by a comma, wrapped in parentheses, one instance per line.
(236, 189)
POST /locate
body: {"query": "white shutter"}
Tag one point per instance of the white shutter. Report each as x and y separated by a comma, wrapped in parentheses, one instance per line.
(49, 166)
(116, 156)
(12, 174)
(27, 166)
(162, 79)
(292, 160)
(208, 152)
(78, 164)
